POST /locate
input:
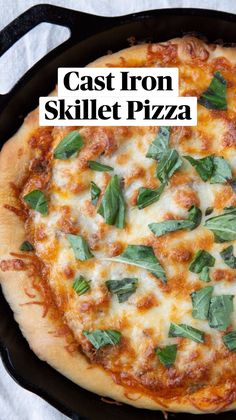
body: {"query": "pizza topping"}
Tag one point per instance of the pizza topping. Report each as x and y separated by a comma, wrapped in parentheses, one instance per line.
(70, 145)
(201, 302)
(96, 166)
(122, 288)
(36, 200)
(221, 171)
(160, 144)
(224, 225)
(212, 168)
(221, 308)
(101, 338)
(80, 247)
(201, 263)
(204, 166)
(186, 331)
(81, 285)
(112, 206)
(141, 256)
(26, 246)
(169, 163)
(95, 193)
(147, 196)
(228, 256)
(167, 354)
(194, 219)
(214, 97)
(229, 340)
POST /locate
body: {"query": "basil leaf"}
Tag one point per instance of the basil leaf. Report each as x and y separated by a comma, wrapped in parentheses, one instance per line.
(213, 168)
(169, 163)
(81, 285)
(220, 310)
(112, 206)
(194, 216)
(214, 97)
(204, 275)
(71, 144)
(147, 196)
(228, 256)
(141, 256)
(201, 263)
(186, 331)
(80, 247)
(201, 302)
(160, 144)
(167, 354)
(204, 166)
(95, 193)
(99, 167)
(26, 246)
(224, 225)
(36, 200)
(221, 171)
(122, 288)
(101, 338)
(229, 340)
(167, 226)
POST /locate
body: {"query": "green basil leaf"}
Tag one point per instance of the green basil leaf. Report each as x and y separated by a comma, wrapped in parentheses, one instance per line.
(169, 163)
(224, 225)
(122, 288)
(214, 97)
(201, 263)
(26, 246)
(160, 144)
(147, 196)
(80, 247)
(99, 167)
(221, 171)
(204, 166)
(167, 226)
(228, 256)
(204, 275)
(194, 216)
(229, 340)
(101, 338)
(95, 193)
(112, 206)
(186, 331)
(36, 200)
(71, 144)
(201, 302)
(81, 285)
(167, 354)
(221, 308)
(141, 256)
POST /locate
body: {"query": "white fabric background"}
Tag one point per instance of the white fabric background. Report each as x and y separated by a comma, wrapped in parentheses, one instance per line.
(16, 403)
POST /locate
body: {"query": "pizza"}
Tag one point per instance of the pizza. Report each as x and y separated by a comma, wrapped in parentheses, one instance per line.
(117, 243)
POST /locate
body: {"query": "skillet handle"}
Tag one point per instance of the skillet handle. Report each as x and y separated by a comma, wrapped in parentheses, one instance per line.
(81, 25)
(71, 19)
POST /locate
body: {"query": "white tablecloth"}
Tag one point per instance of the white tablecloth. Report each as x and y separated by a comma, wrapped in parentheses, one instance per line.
(15, 402)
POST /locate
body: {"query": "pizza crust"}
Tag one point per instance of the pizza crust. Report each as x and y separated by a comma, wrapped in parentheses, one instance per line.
(14, 161)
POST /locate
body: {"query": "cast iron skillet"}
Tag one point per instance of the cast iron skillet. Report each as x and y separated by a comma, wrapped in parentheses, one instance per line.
(91, 37)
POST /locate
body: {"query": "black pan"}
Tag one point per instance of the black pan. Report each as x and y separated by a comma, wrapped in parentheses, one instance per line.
(91, 37)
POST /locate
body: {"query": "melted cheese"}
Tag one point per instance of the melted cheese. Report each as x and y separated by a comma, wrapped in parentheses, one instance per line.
(144, 319)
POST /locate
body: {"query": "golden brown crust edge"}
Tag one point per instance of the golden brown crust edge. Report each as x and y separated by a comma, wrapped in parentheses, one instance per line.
(14, 159)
